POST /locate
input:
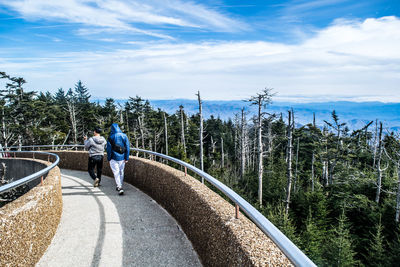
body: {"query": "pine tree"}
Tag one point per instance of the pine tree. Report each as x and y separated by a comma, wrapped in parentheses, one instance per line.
(340, 250)
(82, 93)
(376, 252)
(312, 240)
(278, 216)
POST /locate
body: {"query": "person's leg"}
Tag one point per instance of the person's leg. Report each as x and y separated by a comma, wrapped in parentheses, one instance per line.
(121, 171)
(91, 165)
(99, 163)
(115, 169)
(121, 165)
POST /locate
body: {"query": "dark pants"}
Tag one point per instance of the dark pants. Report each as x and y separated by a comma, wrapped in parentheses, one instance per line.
(93, 162)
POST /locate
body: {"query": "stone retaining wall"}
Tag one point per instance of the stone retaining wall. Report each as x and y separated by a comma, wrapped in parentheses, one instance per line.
(206, 218)
(28, 224)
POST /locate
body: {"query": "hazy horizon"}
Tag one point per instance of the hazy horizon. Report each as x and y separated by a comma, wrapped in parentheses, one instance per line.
(320, 50)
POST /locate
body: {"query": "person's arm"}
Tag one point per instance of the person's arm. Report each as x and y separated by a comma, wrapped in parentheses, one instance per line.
(87, 143)
(127, 145)
(109, 150)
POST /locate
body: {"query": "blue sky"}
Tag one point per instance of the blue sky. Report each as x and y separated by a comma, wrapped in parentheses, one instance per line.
(162, 49)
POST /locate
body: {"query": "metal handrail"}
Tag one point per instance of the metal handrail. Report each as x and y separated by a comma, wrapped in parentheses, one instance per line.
(288, 248)
(27, 179)
(284, 243)
(41, 146)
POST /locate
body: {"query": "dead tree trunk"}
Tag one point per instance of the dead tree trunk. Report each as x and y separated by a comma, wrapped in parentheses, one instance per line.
(260, 156)
(72, 117)
(289, 159)
(261, 100)
(235, 139)
(121, 118)
(201, 134)
(165, 134)
(140, 124)
(127, 123)
(213, 150)
(375, 141)
(137, 145)
(182, 129)
(242, 145)
(378, 165)
(296, 168)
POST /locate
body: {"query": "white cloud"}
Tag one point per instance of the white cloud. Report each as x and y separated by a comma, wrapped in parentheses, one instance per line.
(348, 60)
(118, 15)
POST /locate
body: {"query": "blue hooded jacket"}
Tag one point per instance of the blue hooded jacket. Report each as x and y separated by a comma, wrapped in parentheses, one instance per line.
(119, 138)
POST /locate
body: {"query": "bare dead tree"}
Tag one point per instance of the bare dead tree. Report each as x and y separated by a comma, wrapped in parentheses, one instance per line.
(157, 135)
(289, 157)
(6, 133)
(213, 143)
(324, 159)
(141, 129)
(127, 122)
(242, 145)
(201, 134)
(378, 165)
(296, 167)
(165, 133)
(313, 157)
(261, 100)
(137, 145)
(72, 117)
(375, 141)
(182, 128)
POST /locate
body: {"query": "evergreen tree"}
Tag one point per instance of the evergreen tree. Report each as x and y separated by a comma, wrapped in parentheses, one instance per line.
(311, 239)
(377, 255)
(340, 251)
(81, 93)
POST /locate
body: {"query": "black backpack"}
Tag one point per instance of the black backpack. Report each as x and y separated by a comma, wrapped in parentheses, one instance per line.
(117, 148)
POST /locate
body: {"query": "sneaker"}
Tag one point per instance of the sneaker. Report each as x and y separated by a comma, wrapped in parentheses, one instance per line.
(120, 191)
(96, 182)
(117, 188)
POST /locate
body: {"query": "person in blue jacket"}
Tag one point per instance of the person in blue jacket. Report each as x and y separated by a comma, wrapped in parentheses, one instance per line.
(118, 154)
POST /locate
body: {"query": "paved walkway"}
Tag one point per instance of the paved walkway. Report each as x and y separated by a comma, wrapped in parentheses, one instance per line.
(100, 228)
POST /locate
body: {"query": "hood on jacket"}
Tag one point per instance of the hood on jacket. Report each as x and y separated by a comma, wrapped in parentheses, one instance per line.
(99, 139)
(115, 129)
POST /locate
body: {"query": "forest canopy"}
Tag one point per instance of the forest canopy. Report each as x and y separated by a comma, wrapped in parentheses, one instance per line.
(334, 192)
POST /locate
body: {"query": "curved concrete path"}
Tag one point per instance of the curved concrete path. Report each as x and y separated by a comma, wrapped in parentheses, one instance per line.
(100, 228)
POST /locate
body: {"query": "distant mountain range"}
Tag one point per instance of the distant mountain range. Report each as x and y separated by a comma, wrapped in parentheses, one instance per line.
(355, 114)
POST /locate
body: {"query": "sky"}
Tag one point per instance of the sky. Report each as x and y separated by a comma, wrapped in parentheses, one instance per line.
(316, 50)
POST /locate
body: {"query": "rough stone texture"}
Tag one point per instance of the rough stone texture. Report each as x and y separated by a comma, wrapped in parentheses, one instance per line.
(206, 218)
(28, 224)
